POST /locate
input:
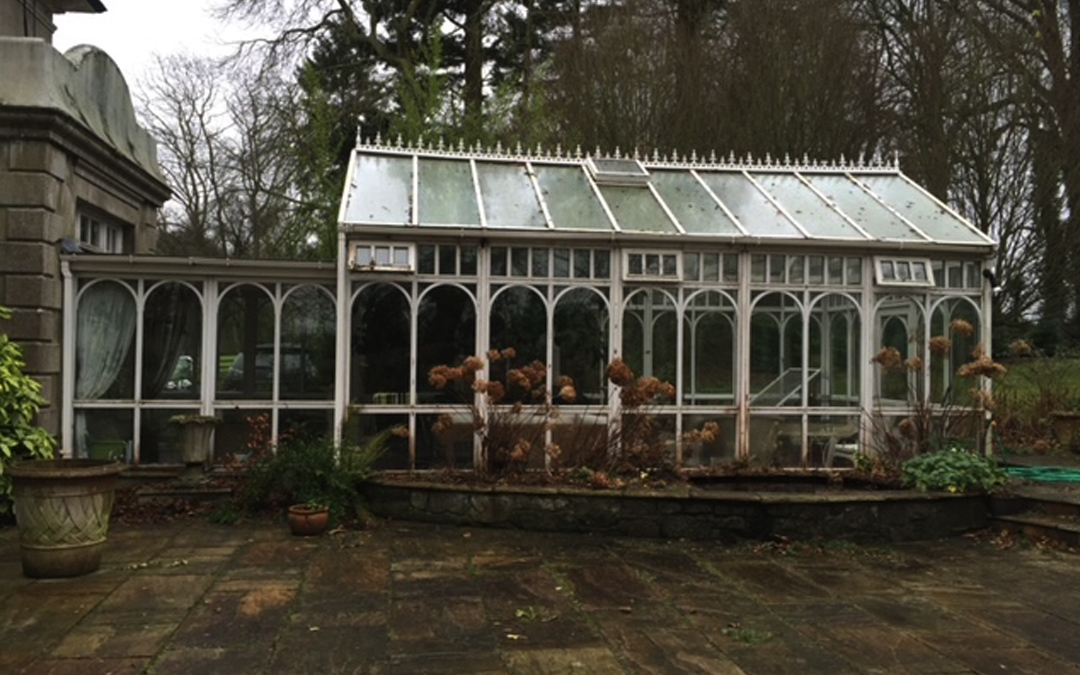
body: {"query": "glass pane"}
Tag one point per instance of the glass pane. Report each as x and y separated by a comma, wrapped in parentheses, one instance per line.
(447, 196)
(442, 442)
(757, 268)
(581, 263)
(776, 358)
(308, 335)
(519, 262)
(731, 268)
(808, 209)
(836, 270)
(298, 423)
(753, 210)
(468, 260)
(359, 429)
(878, 221)
(712, 267)
(691, 272)
(601, 264)
(447, 260)
(671, 265)
(898, 363)
(833, 441)
(776, 269)
(381, 191)
(776, 440)
(509, 197)
(973, 272)
(540, 262)
(580, 348)
(938, 266)
(795, 269)
(163, 443)
(636, 210)
(649, 337)
(401, 256)
(854, 271)
(426, 262)
(365, 256)
(562, 263)
(708, 440)
(581, 439)
(445, 336)
(382, 255)
(106, 434)
(709, 350)
(172, 343)
(105, 329)
(636, 263)
(834, 358)
(954, 338)
(379, 342)
(570, 199)
(518, 322)
(920, 209)
(498, 261)
(691, 203)
(652, 264)
(232, 437)
(245, 355)
(816, 274)
(888, 270)
(918, 271)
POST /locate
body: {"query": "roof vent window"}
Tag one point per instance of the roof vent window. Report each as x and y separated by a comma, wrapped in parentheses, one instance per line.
(626, 172)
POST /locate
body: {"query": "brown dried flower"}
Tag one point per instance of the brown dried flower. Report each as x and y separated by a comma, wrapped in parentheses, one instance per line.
(940, 345)
(1020, 348)
(961, 327)
(889, 359)
(914, 364)
(907, 427)
(983, 365)
(495, 391)
(473, 364)
(568, 393)
(619, 373)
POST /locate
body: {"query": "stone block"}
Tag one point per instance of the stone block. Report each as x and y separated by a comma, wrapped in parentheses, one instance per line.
(28, 189)
(33, 225)
(42, 358)
(29, 258)
(33, 325)
(35, 291)
(37, 156)
(50, 388)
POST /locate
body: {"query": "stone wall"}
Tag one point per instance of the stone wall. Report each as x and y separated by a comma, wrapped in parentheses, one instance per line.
(686, 513)
(68, 142)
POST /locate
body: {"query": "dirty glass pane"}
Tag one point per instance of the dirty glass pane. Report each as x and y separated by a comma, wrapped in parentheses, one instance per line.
(518, 321)
(776, 358)
(245, 358)
(581, 263)
(106, 433)
(776, 440)
(580, 347)
(380, 346)
(691, 270)
(381, 191)
(509, 197)
(104, 350)
(757, 268)
(425, 263)
(807, 208)
(442, 445)
(361, 428)
(636, 210)
(878, 221)
(834, 358)
(308, 334)
(731, 268)
(447, 196)
(570, 199)
(709, 350)
(899, 325)
(954, 337)
(601, 264)
(776, 269)
(172, 343)
(708, 440)
(691, 204)
(161, 442)
(498, 261)
(468, 260)
(519, 262)
(755, 212)
(540, 262)
(448, 260)
(921, 210)
(562, 263)
(833, 441)
(649, 335)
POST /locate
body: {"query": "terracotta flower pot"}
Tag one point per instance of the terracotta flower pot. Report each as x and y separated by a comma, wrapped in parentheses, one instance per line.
(1067, 428)
(62, 508)
(308, 521)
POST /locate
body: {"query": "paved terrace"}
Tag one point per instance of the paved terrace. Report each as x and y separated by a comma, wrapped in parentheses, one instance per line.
(191, 597)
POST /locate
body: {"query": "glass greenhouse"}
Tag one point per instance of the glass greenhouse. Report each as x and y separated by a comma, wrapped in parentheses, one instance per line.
(764, 292)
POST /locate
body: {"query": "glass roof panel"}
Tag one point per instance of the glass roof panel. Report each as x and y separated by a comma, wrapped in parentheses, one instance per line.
(807, 208)
(921, 210)
(753, 210)
(878, 221)
(508, 195)
(636, 210)
(570, 199)
(692, 204)
(447, 195)
(381, 190)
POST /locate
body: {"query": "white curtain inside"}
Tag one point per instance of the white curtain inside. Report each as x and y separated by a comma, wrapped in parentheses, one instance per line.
(104, 334)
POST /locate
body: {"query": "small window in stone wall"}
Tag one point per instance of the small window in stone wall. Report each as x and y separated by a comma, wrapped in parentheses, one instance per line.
(97, 234)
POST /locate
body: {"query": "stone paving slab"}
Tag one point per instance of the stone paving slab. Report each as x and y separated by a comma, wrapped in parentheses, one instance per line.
(191, 597)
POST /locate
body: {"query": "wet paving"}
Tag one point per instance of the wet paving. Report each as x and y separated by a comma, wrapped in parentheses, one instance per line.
(192, 597)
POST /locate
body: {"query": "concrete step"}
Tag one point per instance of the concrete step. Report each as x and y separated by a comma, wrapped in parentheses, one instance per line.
(1040, 527)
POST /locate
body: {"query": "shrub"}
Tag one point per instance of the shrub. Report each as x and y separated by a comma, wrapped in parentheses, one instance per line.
(20, 401)
(955, 470)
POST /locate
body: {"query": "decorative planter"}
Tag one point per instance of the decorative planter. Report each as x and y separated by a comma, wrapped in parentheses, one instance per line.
(1066, 425)
(62, 508)
(308, 521)
(196, 436)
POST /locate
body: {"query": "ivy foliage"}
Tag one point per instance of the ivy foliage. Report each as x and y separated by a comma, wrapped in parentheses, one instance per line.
(20, 401)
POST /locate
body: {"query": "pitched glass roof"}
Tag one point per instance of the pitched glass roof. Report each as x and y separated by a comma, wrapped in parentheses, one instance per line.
(416, 187)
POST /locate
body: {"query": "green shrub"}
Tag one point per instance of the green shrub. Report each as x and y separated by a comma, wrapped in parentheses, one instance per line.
(955, 470)
(20, 401)
(311, 471)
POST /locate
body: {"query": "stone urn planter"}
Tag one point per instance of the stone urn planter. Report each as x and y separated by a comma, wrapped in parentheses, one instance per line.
(62, 509)
(308, 520)
(1066, 425)
(196, 436)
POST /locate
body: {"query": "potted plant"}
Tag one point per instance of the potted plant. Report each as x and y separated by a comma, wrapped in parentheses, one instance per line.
(308, 519)
(196, 436)
(61, 505)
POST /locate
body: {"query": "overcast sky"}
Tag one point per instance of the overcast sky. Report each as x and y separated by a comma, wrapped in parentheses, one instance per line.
(133, 31)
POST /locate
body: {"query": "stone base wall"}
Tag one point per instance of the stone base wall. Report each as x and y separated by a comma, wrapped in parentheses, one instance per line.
(686, 513)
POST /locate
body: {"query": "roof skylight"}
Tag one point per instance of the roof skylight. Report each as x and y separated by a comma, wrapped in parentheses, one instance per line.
(611, 171)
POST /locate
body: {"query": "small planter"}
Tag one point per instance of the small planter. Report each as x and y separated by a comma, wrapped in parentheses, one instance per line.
(308, 521)
(62, 508)
(1066, 425)
(196, 436)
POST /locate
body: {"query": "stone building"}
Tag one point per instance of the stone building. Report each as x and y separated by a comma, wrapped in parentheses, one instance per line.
(77, 175)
